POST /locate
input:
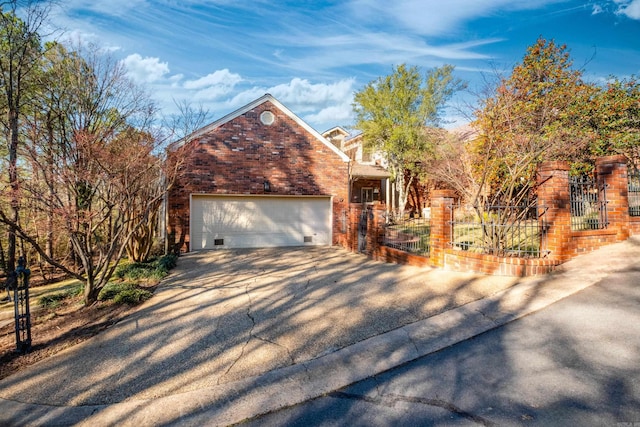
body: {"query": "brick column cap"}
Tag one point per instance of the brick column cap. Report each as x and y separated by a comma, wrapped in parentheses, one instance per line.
(558, 165)
(616, 158)
(444, 194)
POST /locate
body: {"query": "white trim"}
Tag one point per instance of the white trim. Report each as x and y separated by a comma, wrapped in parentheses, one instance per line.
(331, 223)
(240, 111)
(338, 128)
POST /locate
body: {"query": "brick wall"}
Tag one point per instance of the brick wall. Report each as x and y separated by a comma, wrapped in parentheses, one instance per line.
(612, 172)
(553, 194)
(239, 155)
(554, 201)
(464, 261)
(441, 233)
(561, 243)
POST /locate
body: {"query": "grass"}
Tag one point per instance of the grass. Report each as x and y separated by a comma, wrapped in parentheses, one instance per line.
(419, 228)
(520, 241)
(54, 300)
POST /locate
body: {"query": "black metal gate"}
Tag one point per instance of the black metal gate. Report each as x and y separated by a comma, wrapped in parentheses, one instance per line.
(588, 204)
(19, 281)
(362, 231)
(634, 192)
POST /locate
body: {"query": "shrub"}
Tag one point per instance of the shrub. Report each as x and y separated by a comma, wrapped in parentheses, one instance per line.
(112, 289)
(134, 271)
(156, 269)
(167, 262)
(124, 293)
(132, 296)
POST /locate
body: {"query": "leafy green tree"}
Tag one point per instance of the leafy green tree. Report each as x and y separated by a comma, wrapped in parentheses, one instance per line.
(535, 114)
(614, 115)
(394, 113)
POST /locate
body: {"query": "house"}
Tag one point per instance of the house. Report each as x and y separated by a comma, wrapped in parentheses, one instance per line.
(258, 177)
(369, 180)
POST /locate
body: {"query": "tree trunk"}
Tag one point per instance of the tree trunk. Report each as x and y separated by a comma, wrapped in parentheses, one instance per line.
(51, 194)
(90, 292)
(13, 183)
(403, 192)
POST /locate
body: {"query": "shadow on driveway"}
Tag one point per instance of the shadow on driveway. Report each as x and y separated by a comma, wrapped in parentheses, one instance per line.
(223, 316)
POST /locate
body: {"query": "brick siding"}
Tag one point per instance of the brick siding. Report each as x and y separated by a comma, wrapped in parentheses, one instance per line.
(238, 156)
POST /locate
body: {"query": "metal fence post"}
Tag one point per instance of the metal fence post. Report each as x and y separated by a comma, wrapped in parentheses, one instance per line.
(21, 306)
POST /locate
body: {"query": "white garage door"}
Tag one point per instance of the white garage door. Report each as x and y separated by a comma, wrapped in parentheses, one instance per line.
(259, 221)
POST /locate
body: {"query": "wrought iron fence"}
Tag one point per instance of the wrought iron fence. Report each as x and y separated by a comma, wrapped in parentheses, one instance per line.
(409, 235)
(634, 192)
(517, 231)
(588, 204)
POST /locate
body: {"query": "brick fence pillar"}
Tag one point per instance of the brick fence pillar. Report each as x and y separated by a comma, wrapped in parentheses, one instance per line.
(555, 209)
(612, 172)
(441, 233)
(375, 229)
(354, 220)
(340, 224)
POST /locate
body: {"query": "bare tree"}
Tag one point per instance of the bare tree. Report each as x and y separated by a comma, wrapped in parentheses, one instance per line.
(20, 52)
(90, 160)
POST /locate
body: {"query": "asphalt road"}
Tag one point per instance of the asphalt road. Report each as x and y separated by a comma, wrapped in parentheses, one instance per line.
(575, 363)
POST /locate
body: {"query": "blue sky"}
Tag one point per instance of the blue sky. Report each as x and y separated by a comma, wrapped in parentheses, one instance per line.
(313, 55)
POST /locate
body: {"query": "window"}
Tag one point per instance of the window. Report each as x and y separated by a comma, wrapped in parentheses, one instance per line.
(367, 195)
(267, 118)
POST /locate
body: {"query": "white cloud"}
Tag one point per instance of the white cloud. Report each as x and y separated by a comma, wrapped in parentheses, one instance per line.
(630, 9)
(336, 115)
(436, 17)
(213, 85)
(322, 105)
(175, 79)
(597, 9)
(312, 53)
(306, 96)
(145, 69)
(217, 78)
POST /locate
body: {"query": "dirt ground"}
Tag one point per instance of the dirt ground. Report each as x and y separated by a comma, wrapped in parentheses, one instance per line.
(53, 330)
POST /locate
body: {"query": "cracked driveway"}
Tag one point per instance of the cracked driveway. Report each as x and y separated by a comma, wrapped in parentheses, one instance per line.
(574, 363)
(226, 315)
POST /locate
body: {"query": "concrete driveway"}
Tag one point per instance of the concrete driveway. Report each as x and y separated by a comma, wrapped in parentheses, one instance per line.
(231, 335)
(223, 316)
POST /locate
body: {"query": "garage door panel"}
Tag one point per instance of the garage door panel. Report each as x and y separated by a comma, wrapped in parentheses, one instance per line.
(245, 222)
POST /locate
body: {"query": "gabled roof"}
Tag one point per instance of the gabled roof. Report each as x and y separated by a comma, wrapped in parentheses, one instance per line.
(369, 171)
(338, 129)
(242, 110)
